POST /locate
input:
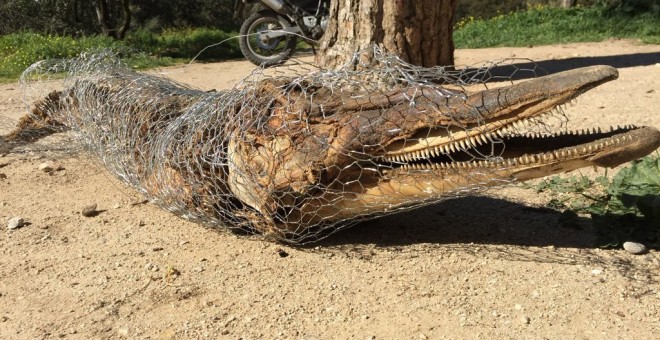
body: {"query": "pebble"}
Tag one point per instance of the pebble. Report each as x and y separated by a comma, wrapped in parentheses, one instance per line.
(89, 210)
(634, 248)
(3, 175)
(525, 319)
(48, 167)
(15, 223)
(122, 331)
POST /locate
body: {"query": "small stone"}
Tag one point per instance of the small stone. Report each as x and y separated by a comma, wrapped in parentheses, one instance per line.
(183, 243)
(525, 319)
(122, 331)
(47, 167)
(634, 248)
(3, 175)
(281, 252)
(15, 223)
(89, 210)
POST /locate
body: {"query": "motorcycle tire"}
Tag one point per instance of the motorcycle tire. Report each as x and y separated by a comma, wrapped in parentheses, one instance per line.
(266, 53)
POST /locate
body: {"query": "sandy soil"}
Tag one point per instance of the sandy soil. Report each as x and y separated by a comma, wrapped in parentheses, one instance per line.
(492, 267)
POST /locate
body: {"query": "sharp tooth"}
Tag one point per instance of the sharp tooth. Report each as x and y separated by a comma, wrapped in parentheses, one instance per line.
(452, 147)
(462, 144)
(483, 138)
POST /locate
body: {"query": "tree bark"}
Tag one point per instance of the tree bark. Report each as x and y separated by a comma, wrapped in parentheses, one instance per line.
(568, 3)
(103, 15)
(419, 32)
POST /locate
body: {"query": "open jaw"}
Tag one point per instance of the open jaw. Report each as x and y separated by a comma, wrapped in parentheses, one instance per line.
(410, 184)
(442, 161)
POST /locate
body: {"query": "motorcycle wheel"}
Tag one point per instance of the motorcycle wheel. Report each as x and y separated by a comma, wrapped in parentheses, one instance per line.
(266, 52)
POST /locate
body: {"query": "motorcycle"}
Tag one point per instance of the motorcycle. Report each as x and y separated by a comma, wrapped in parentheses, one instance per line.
(269, 35)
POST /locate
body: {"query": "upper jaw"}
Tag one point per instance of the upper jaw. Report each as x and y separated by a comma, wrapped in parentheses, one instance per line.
(492, 113)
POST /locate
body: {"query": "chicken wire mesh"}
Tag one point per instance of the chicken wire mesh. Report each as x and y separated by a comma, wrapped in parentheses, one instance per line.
(291, 153)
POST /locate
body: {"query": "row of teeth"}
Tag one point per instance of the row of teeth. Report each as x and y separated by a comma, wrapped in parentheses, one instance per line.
(522, 160)
(474, 141)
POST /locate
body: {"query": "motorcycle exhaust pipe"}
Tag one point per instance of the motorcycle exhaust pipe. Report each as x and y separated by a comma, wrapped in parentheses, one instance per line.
(277, 5)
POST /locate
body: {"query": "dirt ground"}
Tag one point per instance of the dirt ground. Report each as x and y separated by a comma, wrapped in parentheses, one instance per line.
(493, 266)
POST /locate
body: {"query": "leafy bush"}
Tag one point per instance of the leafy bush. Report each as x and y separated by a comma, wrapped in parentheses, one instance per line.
(625, 207)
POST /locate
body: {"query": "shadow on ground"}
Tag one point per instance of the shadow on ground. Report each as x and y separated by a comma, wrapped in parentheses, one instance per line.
(468, 220)
(540, 68)
(484, 227)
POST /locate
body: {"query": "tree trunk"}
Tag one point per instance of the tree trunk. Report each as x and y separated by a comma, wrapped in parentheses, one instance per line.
(568, 3)
(419, 32)
(103, 15)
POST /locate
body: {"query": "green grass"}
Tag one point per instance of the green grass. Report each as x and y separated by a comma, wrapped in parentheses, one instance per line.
(548, 25)
(140, 49)
(625, 207)
(187, 43)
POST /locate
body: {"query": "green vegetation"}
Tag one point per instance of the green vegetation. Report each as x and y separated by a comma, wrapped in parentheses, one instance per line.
(542, 25)
(538, 25)
(140, 49)
(622, 208)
